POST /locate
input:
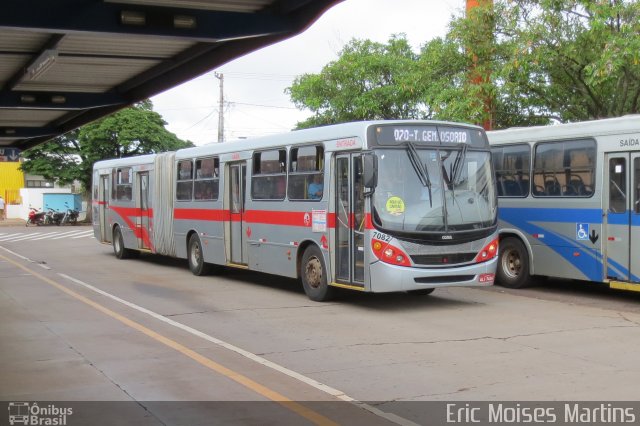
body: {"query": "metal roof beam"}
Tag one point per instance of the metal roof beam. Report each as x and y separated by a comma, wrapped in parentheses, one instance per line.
(58, 100)
(90, 16)
(24, 72)
(27, 132)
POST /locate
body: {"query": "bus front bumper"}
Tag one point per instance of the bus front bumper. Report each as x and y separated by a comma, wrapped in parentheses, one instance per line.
(387, 278)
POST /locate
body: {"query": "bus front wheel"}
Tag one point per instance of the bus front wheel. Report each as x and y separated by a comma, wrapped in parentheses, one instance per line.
(119, 249)
(513, 264)
(314, 275)
(196, 258)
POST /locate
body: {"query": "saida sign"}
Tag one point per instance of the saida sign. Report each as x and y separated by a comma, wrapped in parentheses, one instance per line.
(9, 154)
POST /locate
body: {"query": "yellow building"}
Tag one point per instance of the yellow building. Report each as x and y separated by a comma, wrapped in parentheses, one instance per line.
(11, 180)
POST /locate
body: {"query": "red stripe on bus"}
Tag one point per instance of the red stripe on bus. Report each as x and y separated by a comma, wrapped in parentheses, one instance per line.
(277, 217)
(267, 217)
(215, 215)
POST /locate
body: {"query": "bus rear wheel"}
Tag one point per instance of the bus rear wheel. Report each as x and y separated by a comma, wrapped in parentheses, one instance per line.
(119, 249)
(513, 264)
(314, 275)
(196, 258)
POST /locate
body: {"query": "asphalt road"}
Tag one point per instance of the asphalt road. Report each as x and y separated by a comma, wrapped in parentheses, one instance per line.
(76, 324)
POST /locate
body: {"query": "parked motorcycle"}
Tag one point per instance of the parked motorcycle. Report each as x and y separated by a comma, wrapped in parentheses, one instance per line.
(70, 216)
(36, 217)
(54, 217)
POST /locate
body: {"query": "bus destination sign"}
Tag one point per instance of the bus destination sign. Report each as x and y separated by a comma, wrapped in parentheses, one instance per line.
(433, 135)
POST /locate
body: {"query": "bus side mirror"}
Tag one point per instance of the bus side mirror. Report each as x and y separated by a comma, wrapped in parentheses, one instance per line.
(370, 168)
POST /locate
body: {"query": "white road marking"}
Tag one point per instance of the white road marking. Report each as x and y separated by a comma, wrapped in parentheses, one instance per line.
(249, 355)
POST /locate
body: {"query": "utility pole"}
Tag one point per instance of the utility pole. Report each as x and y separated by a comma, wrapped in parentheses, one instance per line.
(220, 77)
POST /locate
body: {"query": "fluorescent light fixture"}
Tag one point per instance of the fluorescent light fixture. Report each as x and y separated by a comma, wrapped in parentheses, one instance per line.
(42, 64)
(184, 22)
(27, 99)
(130, 17)
(58, 99)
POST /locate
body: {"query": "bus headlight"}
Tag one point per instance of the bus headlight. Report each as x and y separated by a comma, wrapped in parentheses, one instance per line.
(488, 252)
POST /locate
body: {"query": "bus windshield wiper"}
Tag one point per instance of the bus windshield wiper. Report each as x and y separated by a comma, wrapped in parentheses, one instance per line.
(457, 165)
(420, 169)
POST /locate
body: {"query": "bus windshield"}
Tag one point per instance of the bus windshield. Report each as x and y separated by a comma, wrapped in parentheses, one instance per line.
(429, 189)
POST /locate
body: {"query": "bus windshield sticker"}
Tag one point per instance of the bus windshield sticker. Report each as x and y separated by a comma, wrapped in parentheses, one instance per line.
(395, 206)
(319, 221)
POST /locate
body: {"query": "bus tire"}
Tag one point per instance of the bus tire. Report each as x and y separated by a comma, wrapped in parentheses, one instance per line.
(195, 257)
(513, 264)
(119, 249)
(313, 274)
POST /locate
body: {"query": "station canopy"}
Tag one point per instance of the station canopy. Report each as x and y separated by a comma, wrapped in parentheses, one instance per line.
(65, 63)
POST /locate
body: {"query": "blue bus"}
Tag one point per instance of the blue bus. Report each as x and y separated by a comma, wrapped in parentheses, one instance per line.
(569, 202)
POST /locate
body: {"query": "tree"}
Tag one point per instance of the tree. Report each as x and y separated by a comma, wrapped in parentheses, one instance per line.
(368, 81)
(531, 61)
(132, 131)
(570, 60)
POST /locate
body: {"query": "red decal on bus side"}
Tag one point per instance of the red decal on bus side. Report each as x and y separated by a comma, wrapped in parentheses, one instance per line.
(126, 213)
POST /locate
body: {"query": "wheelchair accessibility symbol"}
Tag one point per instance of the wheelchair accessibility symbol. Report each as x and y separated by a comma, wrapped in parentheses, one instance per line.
(582, 231)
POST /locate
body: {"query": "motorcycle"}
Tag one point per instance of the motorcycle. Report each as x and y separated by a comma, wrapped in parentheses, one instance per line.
(70, 216)
(53, 217)
(36, 217)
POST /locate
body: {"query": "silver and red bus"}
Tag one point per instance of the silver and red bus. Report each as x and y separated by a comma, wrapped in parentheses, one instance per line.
(379, 206)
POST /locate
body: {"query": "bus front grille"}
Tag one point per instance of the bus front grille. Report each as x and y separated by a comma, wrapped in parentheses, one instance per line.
(442, 259)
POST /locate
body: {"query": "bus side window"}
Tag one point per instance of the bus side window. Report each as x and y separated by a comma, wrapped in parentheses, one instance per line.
(269, 177)
(564, 168)
(184, 184)
(306, 177)
(512, 169)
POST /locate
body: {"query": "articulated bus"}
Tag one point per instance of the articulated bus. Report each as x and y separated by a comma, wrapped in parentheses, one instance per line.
(569, 202)
(373, 206)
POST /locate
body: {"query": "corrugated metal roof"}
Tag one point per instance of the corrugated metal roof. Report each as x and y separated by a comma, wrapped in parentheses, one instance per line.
(65, 63)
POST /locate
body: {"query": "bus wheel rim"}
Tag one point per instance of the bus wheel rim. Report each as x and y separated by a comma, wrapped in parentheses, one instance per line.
(195, 254)
(313, 272)
(511, 264)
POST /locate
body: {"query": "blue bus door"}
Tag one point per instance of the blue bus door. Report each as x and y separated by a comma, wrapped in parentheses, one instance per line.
(618, 215)
(635, 218)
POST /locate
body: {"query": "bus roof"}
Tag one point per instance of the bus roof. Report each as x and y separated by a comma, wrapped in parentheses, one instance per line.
(619, 125)
(127, 161)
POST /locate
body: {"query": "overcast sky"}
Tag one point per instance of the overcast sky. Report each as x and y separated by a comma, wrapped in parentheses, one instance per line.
(254, 84)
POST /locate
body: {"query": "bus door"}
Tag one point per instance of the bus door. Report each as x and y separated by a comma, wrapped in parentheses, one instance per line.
(143, 204)
(103, 207)
(237, 186)
(620, 196)
(350, 221)
(634, 250)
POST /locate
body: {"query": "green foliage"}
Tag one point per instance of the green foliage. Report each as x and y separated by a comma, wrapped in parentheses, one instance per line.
(571, 60)
(132, 131)
(368, 81)
(518, 63)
